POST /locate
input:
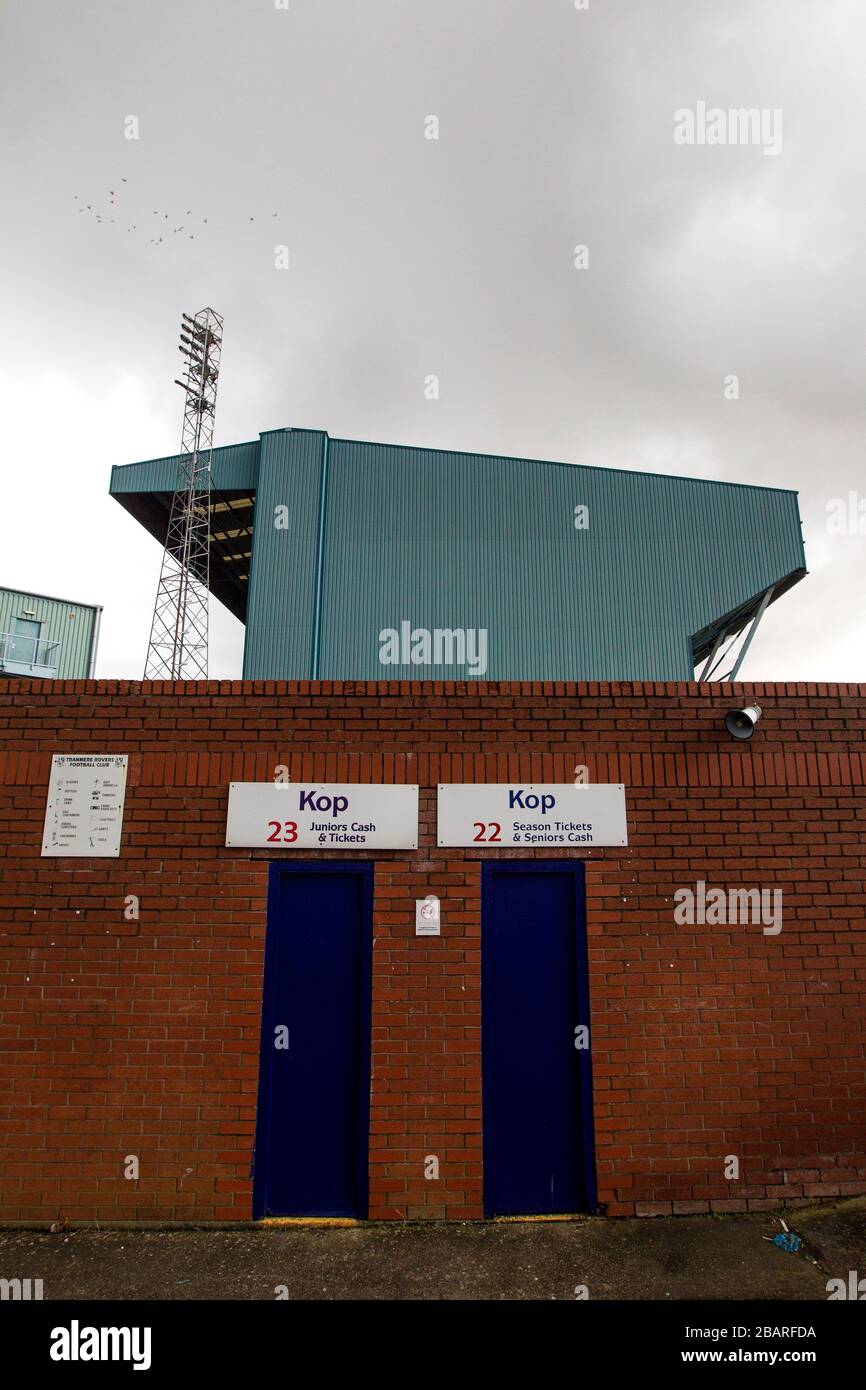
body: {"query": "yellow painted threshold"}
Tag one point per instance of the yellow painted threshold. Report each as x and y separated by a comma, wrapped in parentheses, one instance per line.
(565, 1216)
(309, 1221)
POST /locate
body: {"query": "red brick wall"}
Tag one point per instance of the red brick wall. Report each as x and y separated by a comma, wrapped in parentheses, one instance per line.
(142, 1038)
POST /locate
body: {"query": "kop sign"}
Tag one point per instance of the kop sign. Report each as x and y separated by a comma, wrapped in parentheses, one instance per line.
(501, 813)
(322, 815)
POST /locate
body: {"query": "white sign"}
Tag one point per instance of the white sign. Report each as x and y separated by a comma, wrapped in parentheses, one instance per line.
(322, 815)
(529, 814)
(427, 916)
(84, 813)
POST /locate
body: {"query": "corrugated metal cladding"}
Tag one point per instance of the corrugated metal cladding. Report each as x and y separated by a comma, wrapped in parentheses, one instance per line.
(377, 535)
(234, 467)
(73, 625)
(282, 599)
(471, 541)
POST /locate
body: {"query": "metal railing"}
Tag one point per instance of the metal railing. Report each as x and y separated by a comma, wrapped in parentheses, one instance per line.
(25, 656)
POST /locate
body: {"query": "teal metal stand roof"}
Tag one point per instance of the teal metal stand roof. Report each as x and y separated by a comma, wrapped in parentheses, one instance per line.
(321, 545)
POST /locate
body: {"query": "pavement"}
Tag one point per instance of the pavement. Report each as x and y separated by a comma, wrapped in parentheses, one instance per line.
(666, 1258)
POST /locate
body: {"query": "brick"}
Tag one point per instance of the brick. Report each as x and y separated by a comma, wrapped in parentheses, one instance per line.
(121, 1038)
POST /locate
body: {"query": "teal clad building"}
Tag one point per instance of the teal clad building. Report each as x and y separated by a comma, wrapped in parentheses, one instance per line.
(353, 560)
(47, 638)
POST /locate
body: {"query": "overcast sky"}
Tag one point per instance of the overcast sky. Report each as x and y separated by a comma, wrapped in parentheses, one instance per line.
(456, 256)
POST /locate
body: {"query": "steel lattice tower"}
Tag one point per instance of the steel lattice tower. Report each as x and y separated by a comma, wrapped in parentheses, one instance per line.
(179, 631)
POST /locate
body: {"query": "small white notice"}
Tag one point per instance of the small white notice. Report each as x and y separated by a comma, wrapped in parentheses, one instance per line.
(427, 916)
(84, 813)
(530, 814)
(322, 815)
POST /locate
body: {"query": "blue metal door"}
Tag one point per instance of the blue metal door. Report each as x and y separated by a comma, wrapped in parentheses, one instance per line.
(537, 1088)
(314, 1077)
